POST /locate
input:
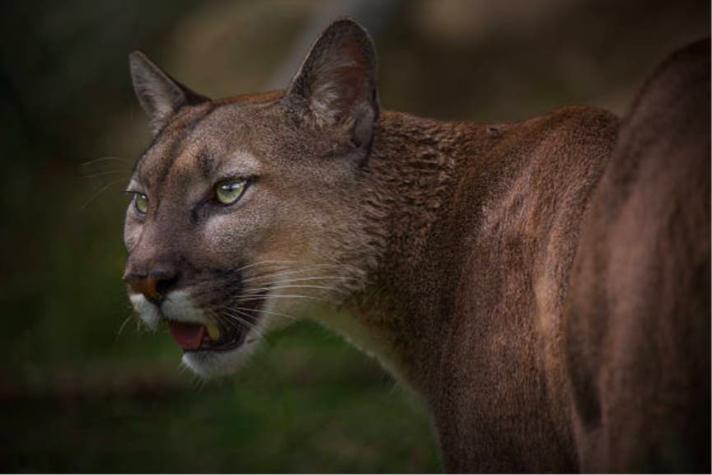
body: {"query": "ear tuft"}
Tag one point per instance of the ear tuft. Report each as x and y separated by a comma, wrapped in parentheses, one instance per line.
(159, 94)
(337, 81)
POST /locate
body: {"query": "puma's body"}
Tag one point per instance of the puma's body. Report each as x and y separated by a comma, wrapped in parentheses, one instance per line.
(474, 294)
(638, 327)
(518, 374)
(475, 258)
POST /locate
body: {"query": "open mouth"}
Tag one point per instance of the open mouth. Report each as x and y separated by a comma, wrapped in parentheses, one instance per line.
(210, 337)
(223, 334)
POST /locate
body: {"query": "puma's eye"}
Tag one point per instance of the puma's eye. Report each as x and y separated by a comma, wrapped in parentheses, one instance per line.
(140, 202)
(228, 192)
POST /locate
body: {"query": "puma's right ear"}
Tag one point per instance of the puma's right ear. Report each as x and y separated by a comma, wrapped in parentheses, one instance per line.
(160, 95)
(337, 84)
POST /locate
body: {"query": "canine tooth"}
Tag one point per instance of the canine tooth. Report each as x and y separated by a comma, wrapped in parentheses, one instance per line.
(213, 331)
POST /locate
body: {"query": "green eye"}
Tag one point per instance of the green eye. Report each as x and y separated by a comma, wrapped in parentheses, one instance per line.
(228, 192)
(141, 203)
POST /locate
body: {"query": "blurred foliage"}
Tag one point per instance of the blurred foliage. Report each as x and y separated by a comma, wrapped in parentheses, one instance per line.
(303, 405)
(81, 388)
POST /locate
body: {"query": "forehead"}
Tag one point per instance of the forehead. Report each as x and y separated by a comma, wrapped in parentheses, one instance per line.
(199, 142)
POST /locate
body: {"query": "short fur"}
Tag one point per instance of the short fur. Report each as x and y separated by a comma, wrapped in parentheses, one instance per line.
(638, 330)
(551, 319)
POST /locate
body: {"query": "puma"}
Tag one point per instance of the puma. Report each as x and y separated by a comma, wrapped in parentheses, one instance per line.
(543, 285)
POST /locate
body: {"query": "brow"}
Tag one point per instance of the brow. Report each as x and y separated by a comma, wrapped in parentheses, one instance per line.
(176, 134)
(240, 164)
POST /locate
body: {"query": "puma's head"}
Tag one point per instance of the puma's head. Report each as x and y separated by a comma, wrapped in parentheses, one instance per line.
(244, 208)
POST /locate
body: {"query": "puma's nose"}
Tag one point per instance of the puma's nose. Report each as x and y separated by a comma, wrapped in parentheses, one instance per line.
(153, 285)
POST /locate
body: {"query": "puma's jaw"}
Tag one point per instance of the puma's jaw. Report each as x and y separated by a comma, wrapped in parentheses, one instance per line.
(208, 359)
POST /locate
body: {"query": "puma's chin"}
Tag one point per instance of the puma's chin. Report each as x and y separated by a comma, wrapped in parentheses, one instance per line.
(209, 364)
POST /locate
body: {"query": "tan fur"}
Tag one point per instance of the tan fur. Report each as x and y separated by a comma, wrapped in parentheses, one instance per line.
(453, 246)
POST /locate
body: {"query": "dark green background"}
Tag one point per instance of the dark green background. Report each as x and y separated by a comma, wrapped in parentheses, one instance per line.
(78, 394)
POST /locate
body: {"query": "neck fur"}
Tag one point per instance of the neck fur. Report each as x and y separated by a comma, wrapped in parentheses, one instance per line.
(409, 181)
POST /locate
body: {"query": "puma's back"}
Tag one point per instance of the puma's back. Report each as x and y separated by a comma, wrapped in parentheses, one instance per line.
(638, 333)
(505, 247)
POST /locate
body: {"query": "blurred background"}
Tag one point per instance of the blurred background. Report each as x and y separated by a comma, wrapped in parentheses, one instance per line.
(82, 387)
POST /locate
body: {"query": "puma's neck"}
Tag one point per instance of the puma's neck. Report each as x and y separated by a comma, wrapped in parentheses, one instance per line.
(413, 166)
(410, 180)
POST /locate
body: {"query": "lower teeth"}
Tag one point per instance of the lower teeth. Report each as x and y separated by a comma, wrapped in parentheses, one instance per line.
(213, 331)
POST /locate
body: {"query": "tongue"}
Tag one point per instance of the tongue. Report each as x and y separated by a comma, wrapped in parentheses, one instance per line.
(189, 336)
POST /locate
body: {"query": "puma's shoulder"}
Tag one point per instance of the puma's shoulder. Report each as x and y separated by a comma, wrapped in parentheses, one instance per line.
(503, 249)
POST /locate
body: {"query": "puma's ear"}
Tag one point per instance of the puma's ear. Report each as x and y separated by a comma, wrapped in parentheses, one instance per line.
(337, 81)
(159, 94)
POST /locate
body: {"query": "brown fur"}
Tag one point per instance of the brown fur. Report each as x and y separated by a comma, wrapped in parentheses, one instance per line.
(454, 243)
(472, 288)
(638, 334)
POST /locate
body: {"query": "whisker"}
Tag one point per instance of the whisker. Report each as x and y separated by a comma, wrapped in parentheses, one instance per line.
(101, 190)
(248, 324)
(232, 320)
(104, 159)
(104, 173)
(288, 297)
(198, 383)
(123, 325)
(316, 278)
(267, 261)
(230, 316)
(290, 272)
(269, 312)
(260, 334)
(235, 323)
(323, 277)
(303, 286)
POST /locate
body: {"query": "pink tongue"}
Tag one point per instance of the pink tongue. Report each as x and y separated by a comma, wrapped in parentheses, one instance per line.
(189, 336)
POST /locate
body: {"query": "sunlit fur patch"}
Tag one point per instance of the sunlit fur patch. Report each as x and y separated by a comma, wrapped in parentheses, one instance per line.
(145, 310)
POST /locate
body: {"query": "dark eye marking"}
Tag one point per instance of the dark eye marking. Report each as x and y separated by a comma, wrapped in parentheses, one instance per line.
(205, 164)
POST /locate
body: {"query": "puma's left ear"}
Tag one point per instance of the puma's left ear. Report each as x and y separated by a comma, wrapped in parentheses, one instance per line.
(337, 81)
(160, 95)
